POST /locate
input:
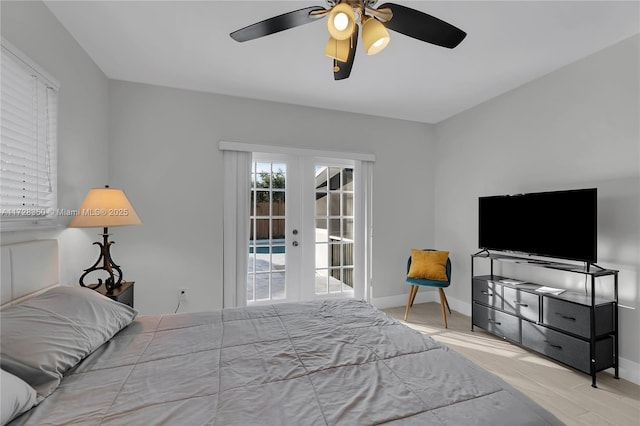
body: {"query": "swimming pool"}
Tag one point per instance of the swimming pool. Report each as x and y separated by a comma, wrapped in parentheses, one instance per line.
(263, 247)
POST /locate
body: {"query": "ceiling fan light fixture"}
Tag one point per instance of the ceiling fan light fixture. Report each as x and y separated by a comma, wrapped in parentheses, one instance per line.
(347, 18)
(341, 21)
(338, 49)
(375, 36)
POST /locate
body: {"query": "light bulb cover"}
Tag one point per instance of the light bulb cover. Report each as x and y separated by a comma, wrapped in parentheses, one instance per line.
(375, 36)
(341, 11)
(338, 49)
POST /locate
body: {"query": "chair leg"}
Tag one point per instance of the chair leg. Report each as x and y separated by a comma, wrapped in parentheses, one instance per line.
(443, 302)
(446, 302)
(412, 295)
(415, 291)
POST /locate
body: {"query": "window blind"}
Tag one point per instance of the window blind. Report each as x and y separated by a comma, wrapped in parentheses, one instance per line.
(28, 144)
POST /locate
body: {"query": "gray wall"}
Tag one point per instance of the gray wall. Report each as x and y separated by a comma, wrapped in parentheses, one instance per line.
(574, 128)
(83, 147)
(164, 152)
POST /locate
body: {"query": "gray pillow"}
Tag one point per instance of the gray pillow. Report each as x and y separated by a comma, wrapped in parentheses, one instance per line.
(43, 337)
(17, 397)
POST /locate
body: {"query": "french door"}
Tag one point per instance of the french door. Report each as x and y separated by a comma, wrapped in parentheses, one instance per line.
(306, 235)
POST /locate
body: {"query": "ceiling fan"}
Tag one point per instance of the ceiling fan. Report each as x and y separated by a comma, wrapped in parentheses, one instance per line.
(342, 24)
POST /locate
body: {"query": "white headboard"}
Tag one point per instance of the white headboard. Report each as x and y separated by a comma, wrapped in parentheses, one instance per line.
(27, 268)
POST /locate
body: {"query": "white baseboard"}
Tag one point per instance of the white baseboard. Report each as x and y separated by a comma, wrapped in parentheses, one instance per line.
(629, 370)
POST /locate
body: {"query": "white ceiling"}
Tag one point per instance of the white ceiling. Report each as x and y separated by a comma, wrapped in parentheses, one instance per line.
(186, 44)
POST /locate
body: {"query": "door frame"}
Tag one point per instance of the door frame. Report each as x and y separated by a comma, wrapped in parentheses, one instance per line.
(234, 285)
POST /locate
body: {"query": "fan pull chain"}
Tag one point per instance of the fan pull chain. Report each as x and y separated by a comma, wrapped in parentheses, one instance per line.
(336, 68)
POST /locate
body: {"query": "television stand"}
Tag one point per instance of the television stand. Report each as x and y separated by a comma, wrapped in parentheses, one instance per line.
(576, 329)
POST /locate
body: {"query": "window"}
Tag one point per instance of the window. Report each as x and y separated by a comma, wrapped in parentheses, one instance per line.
(28, 143)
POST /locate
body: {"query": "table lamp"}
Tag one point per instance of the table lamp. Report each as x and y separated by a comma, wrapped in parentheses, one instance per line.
(102, 208)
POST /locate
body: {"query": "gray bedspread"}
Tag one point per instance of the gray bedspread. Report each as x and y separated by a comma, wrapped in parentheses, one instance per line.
(315, 363)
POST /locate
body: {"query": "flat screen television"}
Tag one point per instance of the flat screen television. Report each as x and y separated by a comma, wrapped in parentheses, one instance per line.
(558, 224)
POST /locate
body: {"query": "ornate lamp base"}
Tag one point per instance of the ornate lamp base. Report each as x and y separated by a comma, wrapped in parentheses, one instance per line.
(104, 263)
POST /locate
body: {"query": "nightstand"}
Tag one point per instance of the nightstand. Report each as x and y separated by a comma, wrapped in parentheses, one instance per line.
(123, 294)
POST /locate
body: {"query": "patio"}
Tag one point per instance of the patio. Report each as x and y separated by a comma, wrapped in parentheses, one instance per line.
(270, 267)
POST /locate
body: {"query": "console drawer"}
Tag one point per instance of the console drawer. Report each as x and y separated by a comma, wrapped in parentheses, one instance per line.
(576, 318)
(566, 349)
(521, 303)
(487, 292)
(496, 322)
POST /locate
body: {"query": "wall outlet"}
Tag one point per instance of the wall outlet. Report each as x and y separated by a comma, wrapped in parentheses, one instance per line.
(182, 294)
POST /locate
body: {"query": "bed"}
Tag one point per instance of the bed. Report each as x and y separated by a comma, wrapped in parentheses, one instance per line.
(89, 360)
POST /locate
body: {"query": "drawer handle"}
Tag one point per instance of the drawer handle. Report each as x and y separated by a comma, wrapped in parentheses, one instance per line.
(486, 292)
(552, 345)
(495, 322)
(520, 304)
(566, 317)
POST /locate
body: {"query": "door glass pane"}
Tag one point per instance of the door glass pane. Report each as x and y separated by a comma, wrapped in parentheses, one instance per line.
(278, 176)
(278, 200)
(334, 178)
(335, 284)
(261, 203)
(347, 204)
(347, 179)
(267, 271)
(322, 256)
(347, 279)
(322, 234)
(262, 285)
(347, 230)
(261, 236)
(347, 254)
(321, 203)
(277, 231)
(260, 172)
(334, 204)
(277, 285)
(334, 229)
(321, 178)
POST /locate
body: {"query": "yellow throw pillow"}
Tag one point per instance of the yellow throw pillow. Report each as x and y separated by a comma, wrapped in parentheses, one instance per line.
(430, 265)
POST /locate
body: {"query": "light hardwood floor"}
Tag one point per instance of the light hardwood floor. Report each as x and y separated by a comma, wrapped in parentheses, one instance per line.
(563, 391)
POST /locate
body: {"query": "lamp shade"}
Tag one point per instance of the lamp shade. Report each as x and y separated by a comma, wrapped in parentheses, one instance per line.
(105, 207)
(338, 49)
(341, 21)
(375, 36)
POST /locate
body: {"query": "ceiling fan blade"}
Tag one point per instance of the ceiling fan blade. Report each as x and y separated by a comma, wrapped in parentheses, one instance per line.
(342, 70)
(279, 23)
(421, 26)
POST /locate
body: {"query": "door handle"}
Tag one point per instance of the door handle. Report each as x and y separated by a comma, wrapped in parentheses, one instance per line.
(295, 244)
